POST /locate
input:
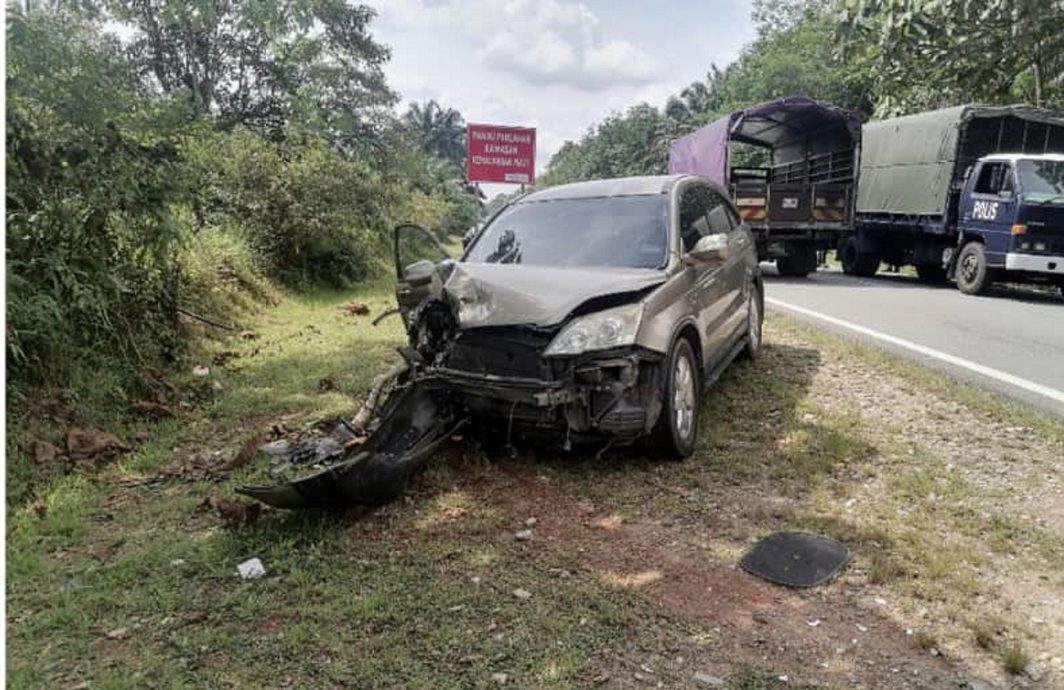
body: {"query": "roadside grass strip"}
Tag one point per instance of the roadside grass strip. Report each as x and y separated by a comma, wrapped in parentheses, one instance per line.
(120, 579)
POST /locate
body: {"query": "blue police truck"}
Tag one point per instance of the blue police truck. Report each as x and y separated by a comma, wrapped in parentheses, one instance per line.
(972, 193)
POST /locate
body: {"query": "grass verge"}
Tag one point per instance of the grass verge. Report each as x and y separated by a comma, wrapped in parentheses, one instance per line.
(120, 578)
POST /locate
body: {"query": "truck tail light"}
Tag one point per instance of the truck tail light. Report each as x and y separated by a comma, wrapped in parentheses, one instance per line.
(1019, 229)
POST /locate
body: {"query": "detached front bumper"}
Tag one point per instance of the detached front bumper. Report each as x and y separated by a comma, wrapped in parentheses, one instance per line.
(615, 396)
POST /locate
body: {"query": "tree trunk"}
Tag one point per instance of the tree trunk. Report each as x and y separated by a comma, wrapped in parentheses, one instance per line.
(1037, 69)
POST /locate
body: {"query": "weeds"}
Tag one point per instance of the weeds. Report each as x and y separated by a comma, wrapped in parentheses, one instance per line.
(1014, 659)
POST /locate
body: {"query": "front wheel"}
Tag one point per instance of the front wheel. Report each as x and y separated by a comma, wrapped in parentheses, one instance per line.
(677, 425)
(973, 276)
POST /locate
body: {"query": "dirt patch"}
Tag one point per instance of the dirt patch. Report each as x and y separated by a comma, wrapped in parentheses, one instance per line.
(824, 635)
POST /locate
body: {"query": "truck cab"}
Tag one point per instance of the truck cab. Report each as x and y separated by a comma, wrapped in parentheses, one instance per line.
(1011, 222)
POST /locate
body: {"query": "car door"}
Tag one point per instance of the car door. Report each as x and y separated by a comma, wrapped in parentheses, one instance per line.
(706, 295)
(990, 209)
(735, 271)
(417, 251)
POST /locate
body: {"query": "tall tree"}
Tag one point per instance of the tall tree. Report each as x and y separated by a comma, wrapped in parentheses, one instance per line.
(439, 131)
(794, 55)
(265, 64)
(928, 54)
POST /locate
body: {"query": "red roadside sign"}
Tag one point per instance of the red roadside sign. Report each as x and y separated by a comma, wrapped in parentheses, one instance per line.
(500, 154)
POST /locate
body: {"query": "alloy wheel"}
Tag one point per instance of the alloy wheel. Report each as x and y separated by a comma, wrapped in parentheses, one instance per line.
(683, 397)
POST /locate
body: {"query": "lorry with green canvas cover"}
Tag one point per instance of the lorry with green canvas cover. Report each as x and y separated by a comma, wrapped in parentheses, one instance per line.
(932, 183)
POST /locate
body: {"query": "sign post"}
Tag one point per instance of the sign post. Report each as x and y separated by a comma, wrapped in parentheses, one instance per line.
(496, 153)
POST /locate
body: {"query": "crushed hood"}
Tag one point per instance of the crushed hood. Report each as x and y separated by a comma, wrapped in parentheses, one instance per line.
(511, 295)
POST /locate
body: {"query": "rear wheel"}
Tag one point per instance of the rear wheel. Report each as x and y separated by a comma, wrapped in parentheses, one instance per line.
(754, 320)
(973, 276)
(799, 264)
(931, 273)
(677, 425)
(856, 263)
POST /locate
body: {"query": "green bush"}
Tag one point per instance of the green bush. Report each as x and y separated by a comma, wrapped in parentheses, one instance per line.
(90, 240)
(219, 275)
(309, 215)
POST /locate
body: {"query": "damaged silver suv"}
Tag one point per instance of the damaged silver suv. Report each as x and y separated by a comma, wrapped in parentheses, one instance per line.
(593, 312)
(597, 311)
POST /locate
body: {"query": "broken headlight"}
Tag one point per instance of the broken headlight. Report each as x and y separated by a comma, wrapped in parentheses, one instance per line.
(599, 331)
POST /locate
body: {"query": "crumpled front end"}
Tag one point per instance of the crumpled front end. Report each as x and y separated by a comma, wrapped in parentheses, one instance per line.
(494, 373)
(502, 378)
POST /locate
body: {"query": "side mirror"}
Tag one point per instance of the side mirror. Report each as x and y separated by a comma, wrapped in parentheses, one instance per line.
(419, 273)
(708, 249)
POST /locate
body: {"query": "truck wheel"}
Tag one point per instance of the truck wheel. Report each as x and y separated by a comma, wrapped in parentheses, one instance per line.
(677, 426)
(931, 273)
(855, 263)
(973, 276)
(797, 265)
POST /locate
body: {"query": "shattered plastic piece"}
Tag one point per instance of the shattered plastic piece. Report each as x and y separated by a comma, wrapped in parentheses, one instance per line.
(522, 593)
(251, 569)
(795, 559)
(523, 535)
(201, 370)
(413, 424)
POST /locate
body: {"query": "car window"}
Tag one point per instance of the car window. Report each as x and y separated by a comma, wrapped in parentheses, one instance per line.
(703, 211)
(695, 202)
(622, 231)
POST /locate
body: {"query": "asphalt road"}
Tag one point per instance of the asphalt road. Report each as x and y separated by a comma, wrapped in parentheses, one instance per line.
(1010, 342)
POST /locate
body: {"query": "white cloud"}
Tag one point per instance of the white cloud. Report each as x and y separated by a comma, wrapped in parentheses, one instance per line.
(543, 42)
(557, 65)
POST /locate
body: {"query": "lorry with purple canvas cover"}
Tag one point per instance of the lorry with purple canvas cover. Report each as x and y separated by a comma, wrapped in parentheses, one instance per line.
(803, 199)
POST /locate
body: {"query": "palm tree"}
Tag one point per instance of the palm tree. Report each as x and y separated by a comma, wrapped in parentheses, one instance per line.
(440, 131)
(703, 96)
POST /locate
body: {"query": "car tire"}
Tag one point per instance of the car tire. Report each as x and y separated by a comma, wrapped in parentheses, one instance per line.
(797, 265)
(755, 319)
(972, 274)
(676, 430)
(931, 274)
(856, 263)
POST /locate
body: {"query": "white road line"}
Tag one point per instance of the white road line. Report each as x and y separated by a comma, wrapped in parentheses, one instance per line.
(997, 375)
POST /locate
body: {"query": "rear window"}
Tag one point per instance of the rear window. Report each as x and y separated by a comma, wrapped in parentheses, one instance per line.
(623, 231)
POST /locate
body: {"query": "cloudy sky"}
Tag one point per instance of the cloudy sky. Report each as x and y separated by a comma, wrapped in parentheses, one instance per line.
(557, 65)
